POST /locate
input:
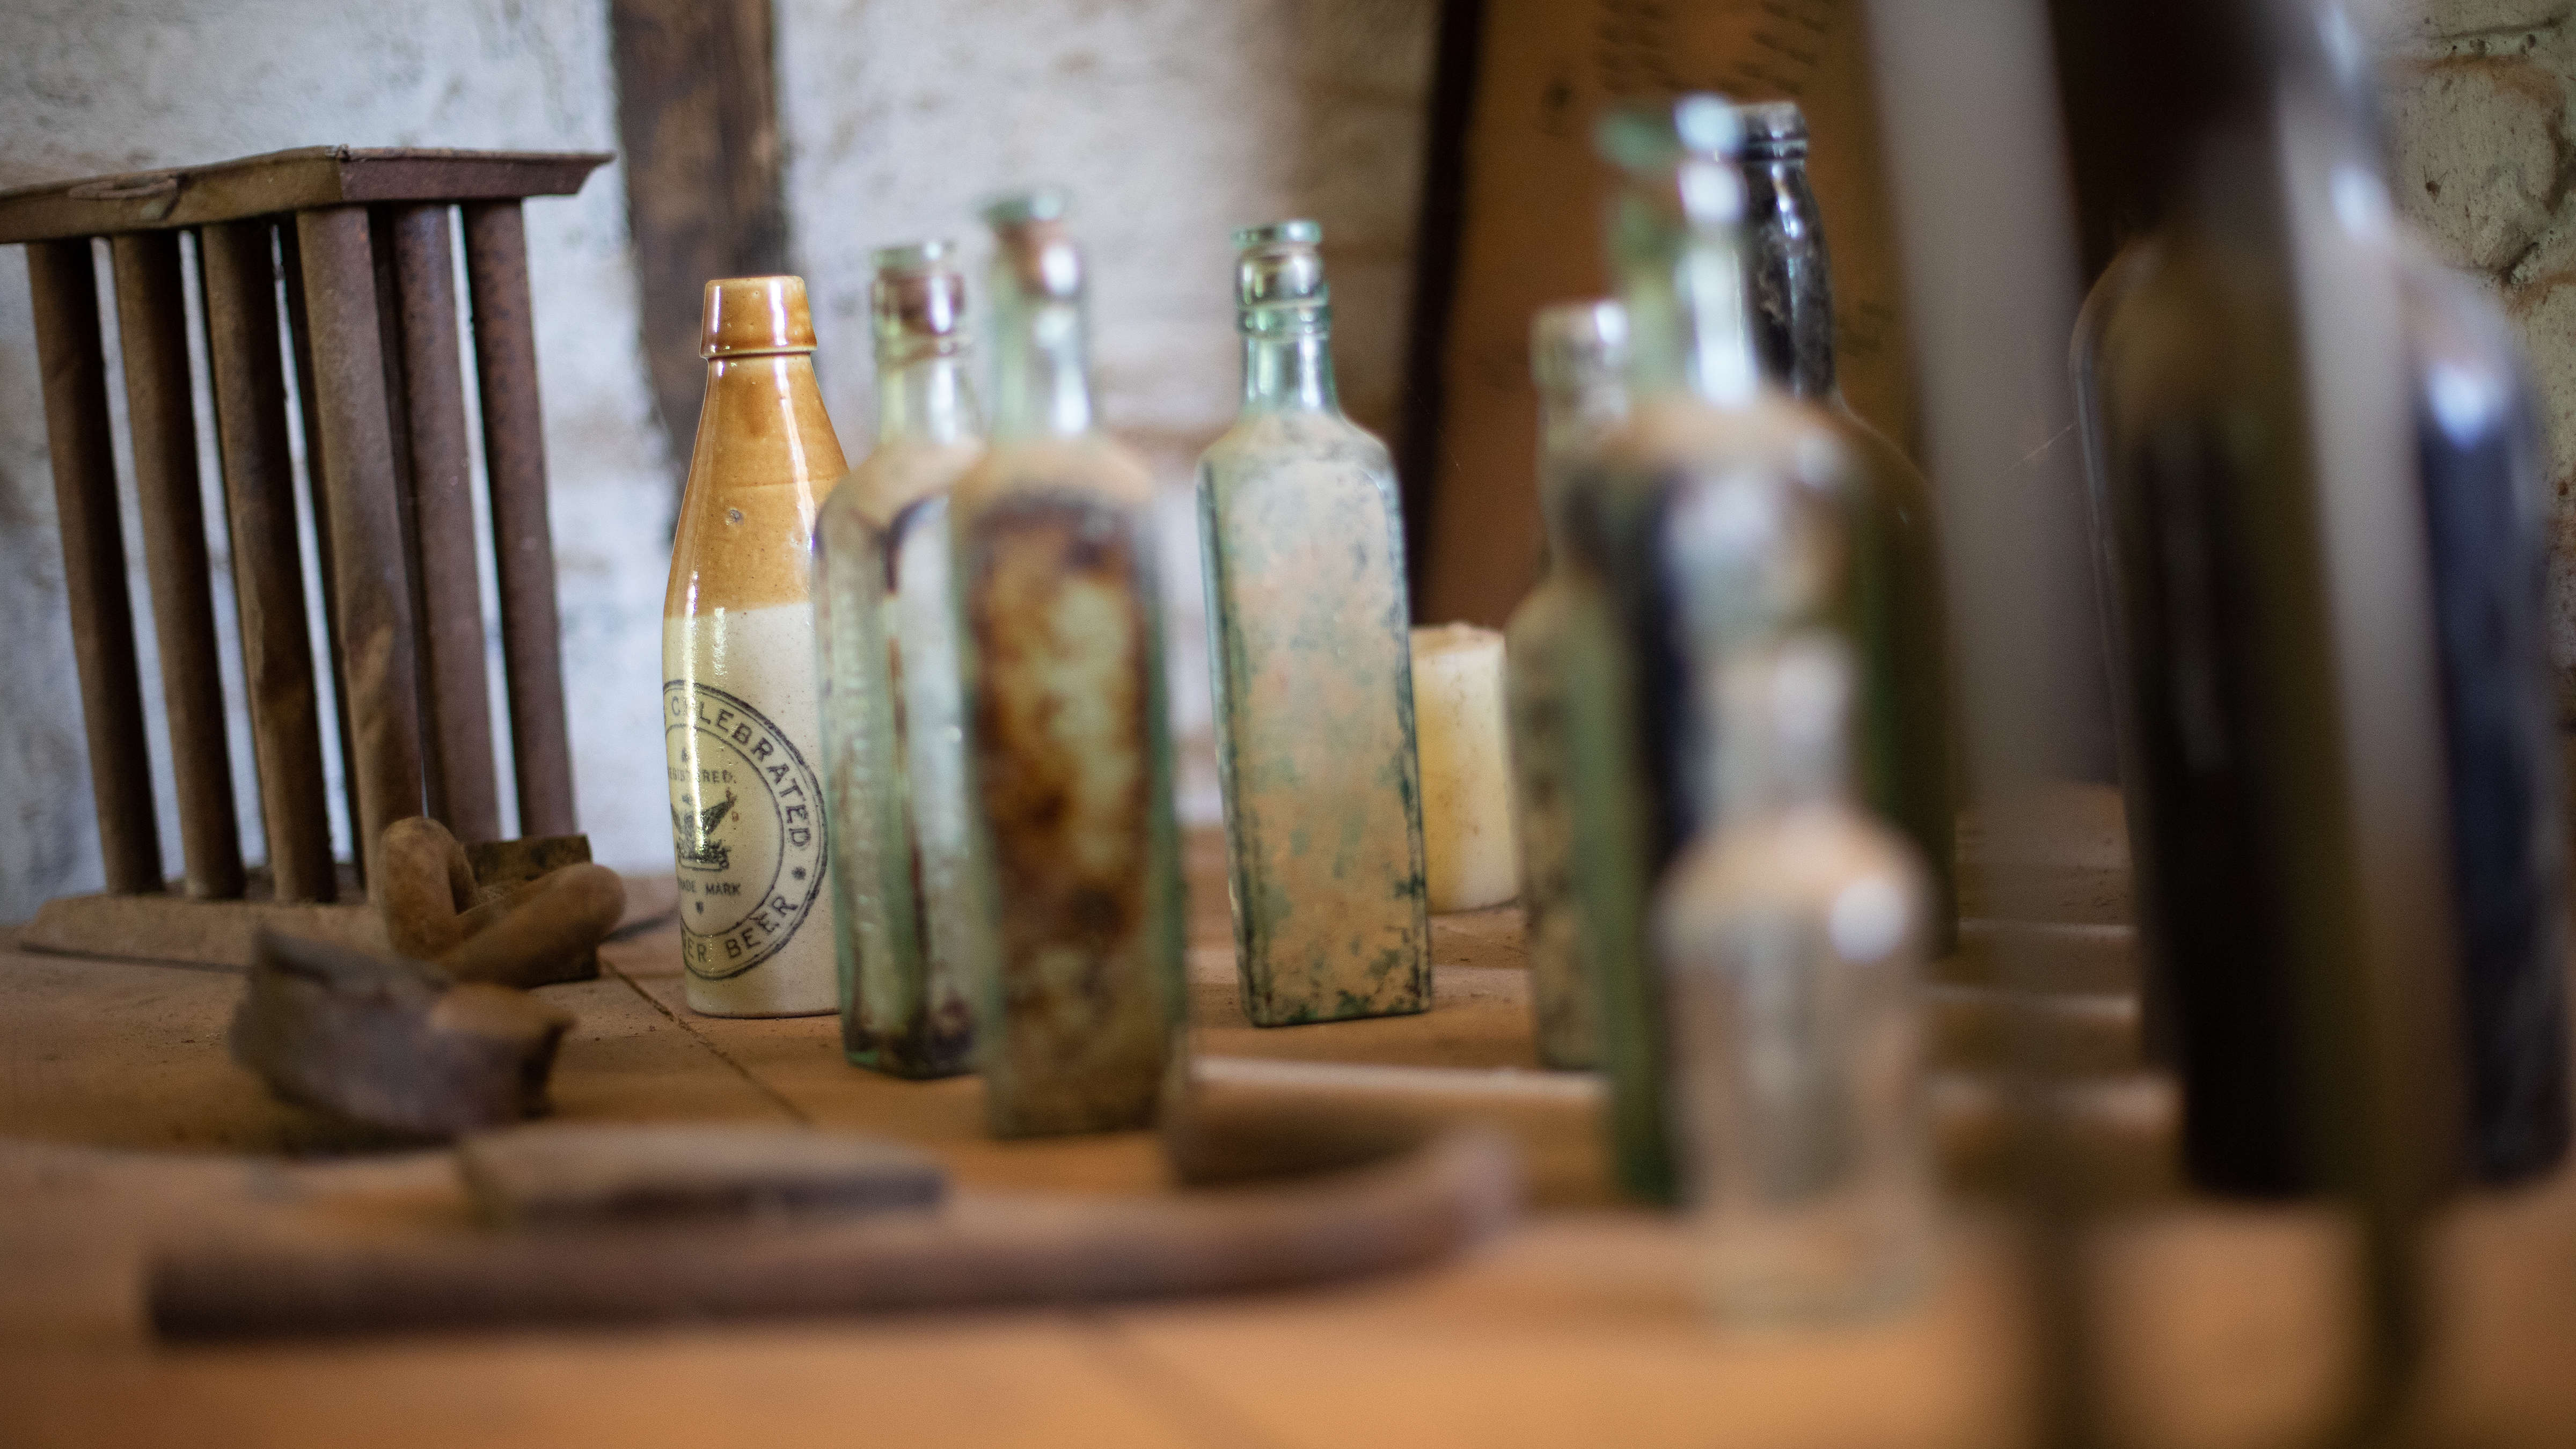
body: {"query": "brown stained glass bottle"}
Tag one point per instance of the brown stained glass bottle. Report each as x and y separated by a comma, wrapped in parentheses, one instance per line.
(1072, 849)
(894, 742)
(738, 708)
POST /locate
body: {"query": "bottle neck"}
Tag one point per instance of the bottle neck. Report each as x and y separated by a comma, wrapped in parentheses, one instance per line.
(1782, 731)
(1570, 420)
(1689, 326)
(1793, 290)
(1289, 369)
(1042, 387)
(924, 397)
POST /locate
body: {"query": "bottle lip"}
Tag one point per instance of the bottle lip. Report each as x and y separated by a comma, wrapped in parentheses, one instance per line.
(1021, 208)
(747, 316)
(1037, 257)
(928, 255)
(1773, 130)
(1570, 341)
(1650, 140)
(1296, 233)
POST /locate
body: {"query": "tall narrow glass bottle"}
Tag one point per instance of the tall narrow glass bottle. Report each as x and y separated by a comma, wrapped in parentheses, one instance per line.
(1709, 518)
(1793, 934)
(1579, 359)
(738, 708)
(1895, 602)
(1303, 548)
(2188, 737)
(893, 735)
(1072, 849)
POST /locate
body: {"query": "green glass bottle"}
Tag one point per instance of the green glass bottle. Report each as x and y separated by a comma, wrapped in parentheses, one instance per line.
(1894, 605)
(1709, 520)
(1072, 851)
(1579, 359)
(1303, 549)
(893, 739)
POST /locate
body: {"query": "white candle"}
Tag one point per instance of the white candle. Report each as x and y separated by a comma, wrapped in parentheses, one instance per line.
(1470, 850)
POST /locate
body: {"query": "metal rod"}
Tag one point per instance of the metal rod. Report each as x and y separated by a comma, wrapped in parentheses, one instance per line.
(152, 321)
(514, 457)
(458, 716)
(372, 587)
(239, 278)
(290, 265)
(389, 337)
(64, 280)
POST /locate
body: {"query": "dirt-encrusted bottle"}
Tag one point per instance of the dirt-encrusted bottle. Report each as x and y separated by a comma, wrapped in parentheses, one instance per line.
(1579, 359)
(1708, 520)
(1303, 548)
(738, 703)
(894, 743)
(1894, 601)
(1072, 850)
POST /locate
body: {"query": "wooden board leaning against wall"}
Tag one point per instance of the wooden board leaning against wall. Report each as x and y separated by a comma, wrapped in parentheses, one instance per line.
(1531, 194)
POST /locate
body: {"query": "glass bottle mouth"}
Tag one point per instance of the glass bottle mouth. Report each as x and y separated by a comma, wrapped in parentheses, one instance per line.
(1279, 284)
(918, 300)
(1681, 160)
(1037, 258)
(1773, 131)
(1575, 346)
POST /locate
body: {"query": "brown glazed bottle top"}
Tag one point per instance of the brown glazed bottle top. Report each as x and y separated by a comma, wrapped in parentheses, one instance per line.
(750, 315)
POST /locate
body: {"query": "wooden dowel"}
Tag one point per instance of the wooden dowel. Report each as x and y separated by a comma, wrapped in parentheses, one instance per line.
(514, 458)
(239, 278)
(290, 261)
(152, 321)
(458, 716)
(69, 353)
(372, 588)
(380, 245)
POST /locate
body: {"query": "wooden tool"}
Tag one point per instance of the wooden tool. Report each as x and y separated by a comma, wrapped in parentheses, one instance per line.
(1433, 1200)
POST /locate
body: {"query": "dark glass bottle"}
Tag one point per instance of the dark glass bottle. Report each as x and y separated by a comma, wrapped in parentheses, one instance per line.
(1894, 605)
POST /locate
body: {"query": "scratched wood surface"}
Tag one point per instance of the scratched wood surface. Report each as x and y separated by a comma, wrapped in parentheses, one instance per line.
(121, 1121)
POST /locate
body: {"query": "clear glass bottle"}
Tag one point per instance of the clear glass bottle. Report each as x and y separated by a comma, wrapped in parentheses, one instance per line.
(738, 708)
(1579, 360)
(2220, 995)
(1710, 517)
(893, 736)
(1073, 853)
(1895, 606)
(1793, 935)
(1302, 542)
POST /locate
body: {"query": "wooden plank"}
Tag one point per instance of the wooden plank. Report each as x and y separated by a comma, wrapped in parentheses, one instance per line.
(70, 354)
(238, 273)
(371, 593)
(697, 120)
(193, 932)
(283, 181)
(152, 322)
(514, 466)
(457, 706)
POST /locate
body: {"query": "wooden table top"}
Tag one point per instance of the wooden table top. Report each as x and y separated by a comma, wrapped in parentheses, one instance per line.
(122, 1122)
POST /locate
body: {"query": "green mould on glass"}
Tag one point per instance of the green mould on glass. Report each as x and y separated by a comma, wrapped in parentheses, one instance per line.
(894, 749)
(1073, 854)
(1303, 549)
(1705, 522)
(1578, 356)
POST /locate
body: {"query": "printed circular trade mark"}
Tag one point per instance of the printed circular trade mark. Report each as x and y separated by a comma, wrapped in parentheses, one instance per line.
(746, 828)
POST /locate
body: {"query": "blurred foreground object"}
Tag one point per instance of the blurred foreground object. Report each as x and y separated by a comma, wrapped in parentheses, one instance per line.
(739, 713)
(1469, 854)
(563, 1176)
(1072, 849)
(391, 1043)
(1579, 358)
(1792, 934)
(1302, 544)
(360, 242)
(904, 921)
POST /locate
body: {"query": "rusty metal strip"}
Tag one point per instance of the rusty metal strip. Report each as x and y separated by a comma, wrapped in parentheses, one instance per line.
(64, 280)
(239, 279)
(152, 321)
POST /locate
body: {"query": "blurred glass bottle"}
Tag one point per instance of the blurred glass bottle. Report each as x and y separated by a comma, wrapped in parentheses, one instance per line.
(738, 705)
(1895, 607)
(1302, 542)
(1073, 855)
(1579, 359)
(893, 738)
(1793, 934)
(1709, 518)
(2218, 997)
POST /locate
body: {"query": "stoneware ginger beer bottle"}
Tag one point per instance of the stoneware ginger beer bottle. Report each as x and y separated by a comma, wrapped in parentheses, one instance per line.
(895, 751)
(1072, 846)
(738, 698)
(1304, 560)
